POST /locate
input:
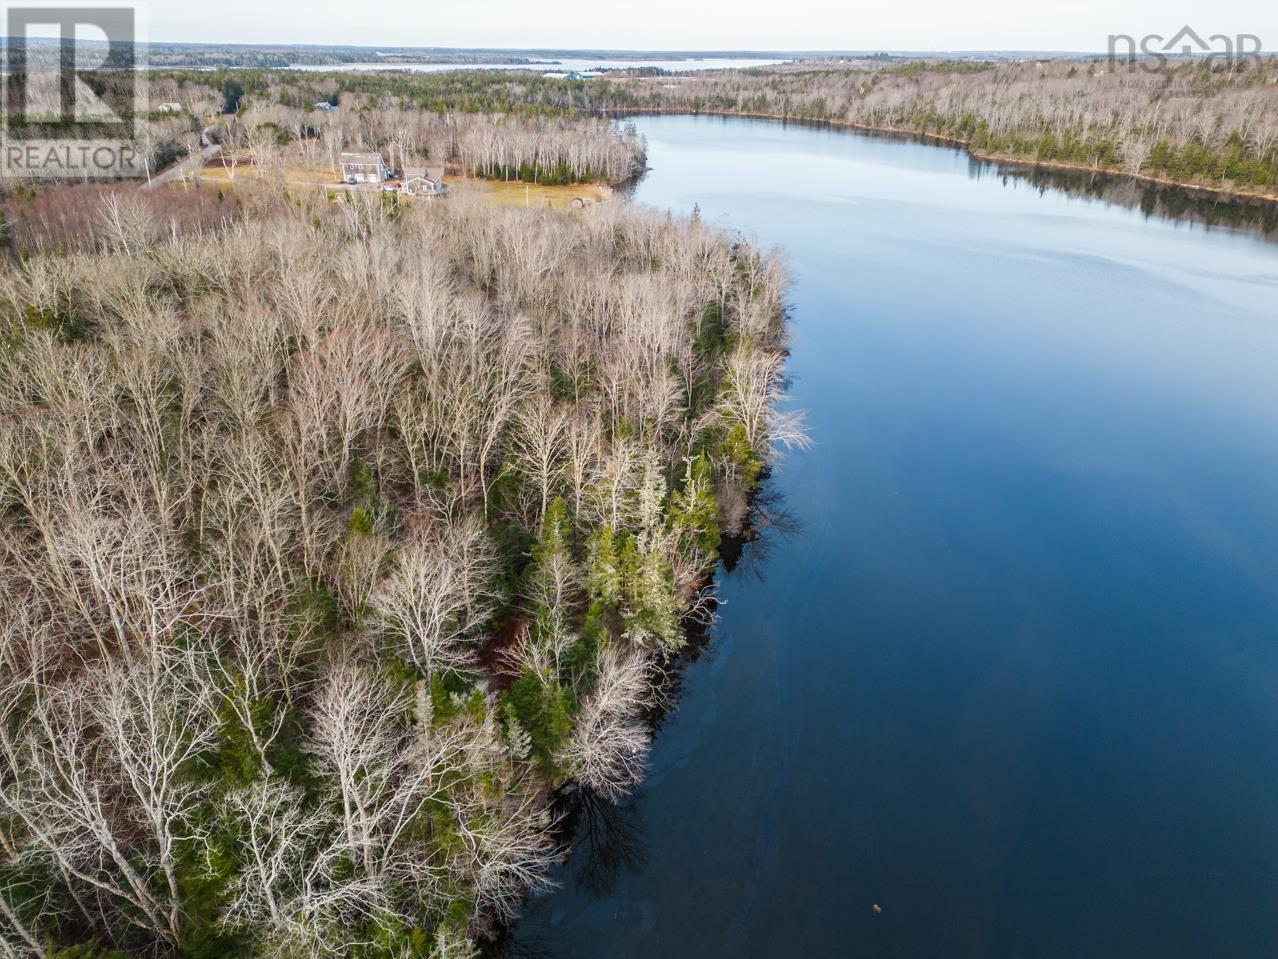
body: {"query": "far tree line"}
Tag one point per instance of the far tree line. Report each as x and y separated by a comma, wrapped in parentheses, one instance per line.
(1206, 122)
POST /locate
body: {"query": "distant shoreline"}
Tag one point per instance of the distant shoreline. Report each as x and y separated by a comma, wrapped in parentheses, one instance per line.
(1229, 194)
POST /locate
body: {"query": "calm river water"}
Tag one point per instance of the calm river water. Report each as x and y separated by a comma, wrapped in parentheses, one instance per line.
(1014, 676)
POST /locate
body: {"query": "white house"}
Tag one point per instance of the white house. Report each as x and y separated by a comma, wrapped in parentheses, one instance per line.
(364, 168)
(323, 105)
(169, 108)
(423, 183)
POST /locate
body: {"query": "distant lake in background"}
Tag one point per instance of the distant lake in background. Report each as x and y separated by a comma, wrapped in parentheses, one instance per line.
(558, 65)
(1012, 675)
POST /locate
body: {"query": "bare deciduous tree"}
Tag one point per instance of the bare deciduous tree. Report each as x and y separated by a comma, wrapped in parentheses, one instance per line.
(439, 594)
(608, 748)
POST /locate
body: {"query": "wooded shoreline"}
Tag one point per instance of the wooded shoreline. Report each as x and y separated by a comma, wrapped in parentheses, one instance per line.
(1228, 194)
(330, 575)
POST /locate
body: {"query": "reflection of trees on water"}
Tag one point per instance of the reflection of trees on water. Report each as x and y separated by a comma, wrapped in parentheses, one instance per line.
(1167, 201)
(607, 839)
(772, 521)
(522, 947)
(747, 553)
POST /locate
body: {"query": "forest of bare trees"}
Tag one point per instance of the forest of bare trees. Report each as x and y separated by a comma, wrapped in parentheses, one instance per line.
(280, 119)
(336, 535)
(538, 150)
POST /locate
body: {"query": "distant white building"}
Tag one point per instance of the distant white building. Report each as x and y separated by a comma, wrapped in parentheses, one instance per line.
(169, 108)
(364, 168)
(323, 105)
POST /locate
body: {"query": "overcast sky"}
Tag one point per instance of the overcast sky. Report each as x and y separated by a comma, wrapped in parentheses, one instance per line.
(709, 24)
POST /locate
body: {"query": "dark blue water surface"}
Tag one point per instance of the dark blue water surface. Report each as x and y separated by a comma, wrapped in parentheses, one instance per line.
(1015, 677)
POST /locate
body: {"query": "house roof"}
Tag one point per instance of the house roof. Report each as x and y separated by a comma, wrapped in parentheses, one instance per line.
(424, 173)
(369, 158)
